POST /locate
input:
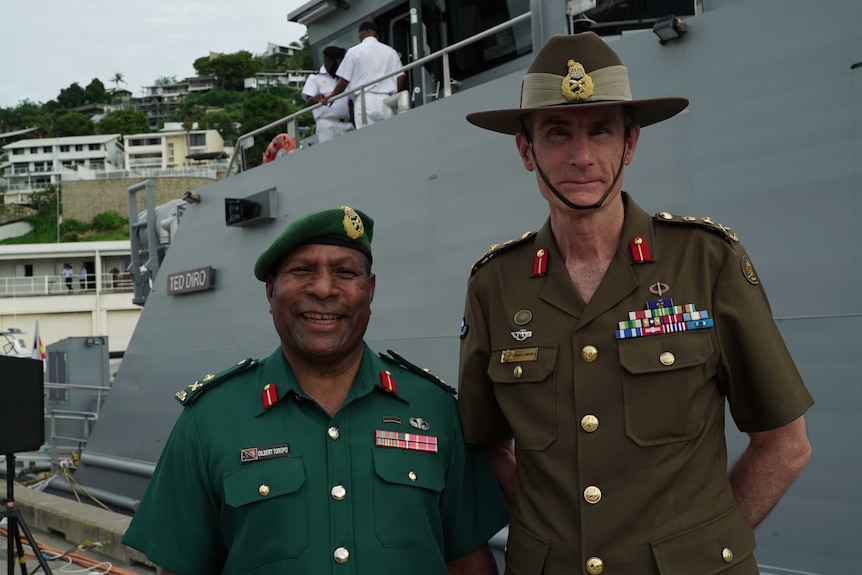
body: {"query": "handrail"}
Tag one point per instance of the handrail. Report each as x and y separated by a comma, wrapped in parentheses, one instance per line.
(439, 53)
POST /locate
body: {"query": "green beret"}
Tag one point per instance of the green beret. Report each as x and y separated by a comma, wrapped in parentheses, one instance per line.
(344, 227)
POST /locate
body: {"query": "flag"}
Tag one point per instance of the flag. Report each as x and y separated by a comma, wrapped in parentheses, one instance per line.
(39, 349)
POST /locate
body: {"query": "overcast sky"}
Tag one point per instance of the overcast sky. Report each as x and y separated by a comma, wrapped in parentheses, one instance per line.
(46, 45)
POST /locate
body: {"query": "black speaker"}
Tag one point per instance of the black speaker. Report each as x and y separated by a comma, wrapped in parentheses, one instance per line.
(22, 405)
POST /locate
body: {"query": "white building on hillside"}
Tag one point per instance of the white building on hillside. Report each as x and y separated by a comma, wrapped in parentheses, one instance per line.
(37, 163)
(292, 79)
(175, 147)
(96, 302)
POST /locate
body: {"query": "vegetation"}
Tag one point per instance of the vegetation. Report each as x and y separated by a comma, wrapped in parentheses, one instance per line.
(123, 122)
(106, 226)
(229, 109)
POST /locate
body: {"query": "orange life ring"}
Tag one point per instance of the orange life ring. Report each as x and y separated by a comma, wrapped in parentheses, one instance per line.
(281, 145)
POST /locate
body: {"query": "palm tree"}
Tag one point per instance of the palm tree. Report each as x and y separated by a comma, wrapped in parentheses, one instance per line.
(117, 78)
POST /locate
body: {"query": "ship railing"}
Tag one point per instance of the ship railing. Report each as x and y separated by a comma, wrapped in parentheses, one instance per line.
(62, 446)
(291, 122)
(56, 285)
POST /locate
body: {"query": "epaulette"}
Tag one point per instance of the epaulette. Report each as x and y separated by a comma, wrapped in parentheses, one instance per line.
(499, 248)
(398, 360)
(189, 394)
(706, 222)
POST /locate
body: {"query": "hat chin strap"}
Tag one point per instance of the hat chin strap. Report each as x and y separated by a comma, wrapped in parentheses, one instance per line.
(568, 203)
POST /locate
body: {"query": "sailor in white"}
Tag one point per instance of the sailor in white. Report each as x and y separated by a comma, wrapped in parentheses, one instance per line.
(336, 119)
(364, 62)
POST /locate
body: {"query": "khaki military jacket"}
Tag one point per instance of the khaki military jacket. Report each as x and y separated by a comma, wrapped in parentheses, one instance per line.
(257, 478)
(621, 456)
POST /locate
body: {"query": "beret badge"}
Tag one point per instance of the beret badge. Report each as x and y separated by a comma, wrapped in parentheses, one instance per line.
(353, 226)
(577, 85)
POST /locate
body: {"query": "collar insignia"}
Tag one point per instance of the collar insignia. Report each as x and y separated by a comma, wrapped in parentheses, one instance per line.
(387, 382)
(270, 395)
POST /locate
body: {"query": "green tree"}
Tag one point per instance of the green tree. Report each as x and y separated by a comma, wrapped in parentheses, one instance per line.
(26, 114)
(225, 123)
(165, 80)
(231, 69)
(72, 97)
(72, 124)
(259, 109)
(44, 221)
(204, 66)
(117, 79)
(301, 59)
(123, 122)
(95, 92)
(108, 221)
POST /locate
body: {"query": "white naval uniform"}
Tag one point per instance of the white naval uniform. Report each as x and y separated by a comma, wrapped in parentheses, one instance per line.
(332, 120)
(364, 62)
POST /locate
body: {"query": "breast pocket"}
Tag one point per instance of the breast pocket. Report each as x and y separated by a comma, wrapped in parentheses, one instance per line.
(526, 392)
(407, 493)
(266, 497)
(667, 386)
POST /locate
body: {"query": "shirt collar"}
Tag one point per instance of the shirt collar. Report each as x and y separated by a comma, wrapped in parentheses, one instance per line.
(368, 379)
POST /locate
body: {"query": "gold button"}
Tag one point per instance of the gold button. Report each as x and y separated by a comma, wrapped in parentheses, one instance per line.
(412, 476)
(638, 240)
(592, 494)
(590, 423)
(666, 358)
(665, 216)
(589, 353)
(727, 555)
(333, 433)
(595, 566)
(263, 490)
(338, 492)
(341, 555)
(540, 253)
(517, 372)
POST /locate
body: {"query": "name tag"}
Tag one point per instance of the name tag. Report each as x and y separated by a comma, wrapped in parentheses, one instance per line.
(517, 355)
(251, 454)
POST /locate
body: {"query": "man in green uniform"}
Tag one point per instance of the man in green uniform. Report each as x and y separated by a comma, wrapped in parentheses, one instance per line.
(323, 457)
(606, 345)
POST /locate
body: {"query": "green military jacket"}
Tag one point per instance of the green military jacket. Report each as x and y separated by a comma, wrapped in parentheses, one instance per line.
(621, 456)
(257, 478)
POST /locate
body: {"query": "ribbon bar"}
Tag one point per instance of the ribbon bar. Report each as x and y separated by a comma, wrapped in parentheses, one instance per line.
(411, 441)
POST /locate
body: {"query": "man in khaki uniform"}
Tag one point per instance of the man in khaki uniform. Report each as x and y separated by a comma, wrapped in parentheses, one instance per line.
(606, 345)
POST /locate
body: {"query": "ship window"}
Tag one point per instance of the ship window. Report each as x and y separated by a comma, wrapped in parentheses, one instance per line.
(474, 16)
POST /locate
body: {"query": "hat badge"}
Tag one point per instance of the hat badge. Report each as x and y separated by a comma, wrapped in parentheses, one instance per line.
(353, 226)
(577, 85)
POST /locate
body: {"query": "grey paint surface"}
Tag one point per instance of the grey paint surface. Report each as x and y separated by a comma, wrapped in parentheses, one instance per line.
(771, 146)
